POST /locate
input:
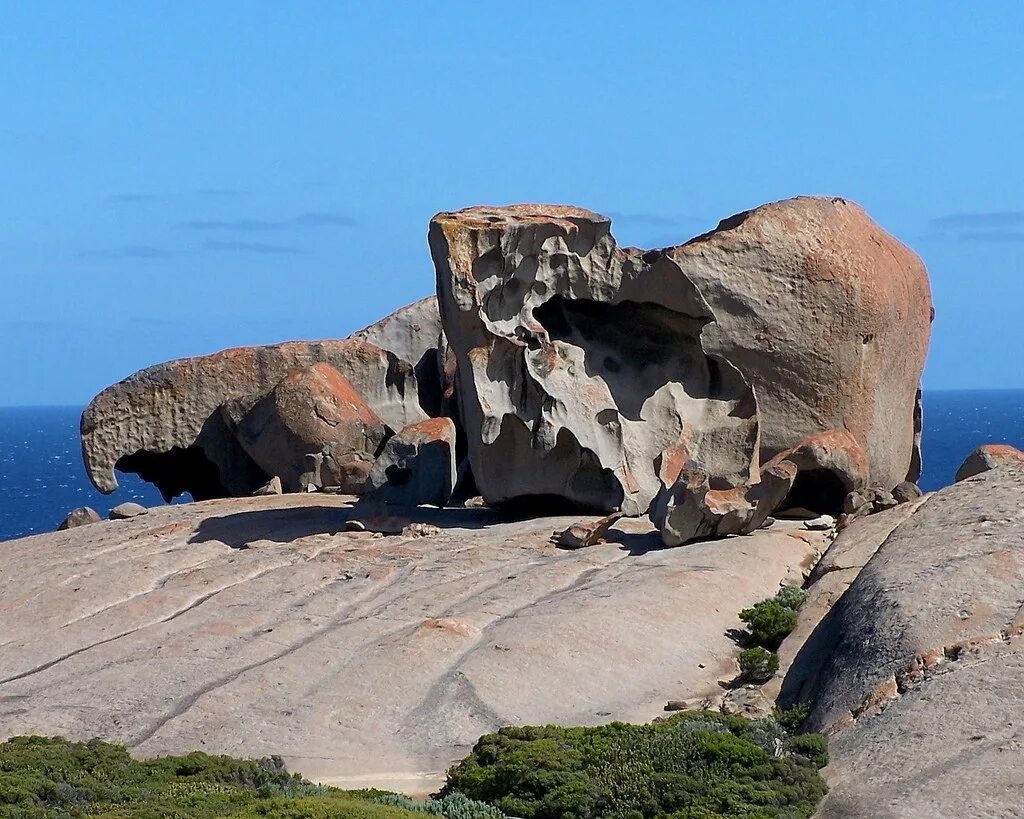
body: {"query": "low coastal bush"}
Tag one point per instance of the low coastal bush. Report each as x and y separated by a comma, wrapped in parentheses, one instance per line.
(44, 778)
(771, 621)
(694, 764)
(758, 665)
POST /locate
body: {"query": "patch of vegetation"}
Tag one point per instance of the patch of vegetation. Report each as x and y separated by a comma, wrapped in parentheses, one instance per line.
(769, 622)
(758, 665)
(453, 806)
(43, 777)
(694, 764)
(791, 719)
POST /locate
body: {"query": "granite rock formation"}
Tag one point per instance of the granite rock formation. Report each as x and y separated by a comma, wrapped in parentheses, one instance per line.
(687, 507)
(165, 422)
(989, 456)
(580, 362)
(417, 465)
(311, 410)
(413, 333)
(918, 672)
(830, 465)
(827, 316)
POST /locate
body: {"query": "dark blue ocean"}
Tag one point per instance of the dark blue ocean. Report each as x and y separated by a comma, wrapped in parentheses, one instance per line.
(42, 477)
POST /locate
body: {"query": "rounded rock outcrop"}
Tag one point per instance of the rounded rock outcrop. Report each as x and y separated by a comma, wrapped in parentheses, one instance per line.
(827, 316)
(311, 409)
(989, 456)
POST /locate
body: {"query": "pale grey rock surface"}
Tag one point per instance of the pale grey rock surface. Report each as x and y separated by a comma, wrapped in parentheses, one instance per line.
(256, 626)
(580, 362)
(827, 315)
(922, 688)
(165, 422)
(413, 333)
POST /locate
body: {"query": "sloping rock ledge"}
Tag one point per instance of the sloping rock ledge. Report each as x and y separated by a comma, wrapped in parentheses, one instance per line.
(259, 625)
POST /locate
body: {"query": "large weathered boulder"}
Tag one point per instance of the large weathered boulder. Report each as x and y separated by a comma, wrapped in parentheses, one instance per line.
(413, 333)
(311, 410)
(989, 456)
(580, 362)
(165, 422)
(920, 679)
(257, 626)
(830, 465)
(827, 316)
(417, 465)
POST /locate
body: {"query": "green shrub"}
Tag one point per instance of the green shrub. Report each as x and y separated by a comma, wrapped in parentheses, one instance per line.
(692, 764)
(758, 665)
(792, 597)
(768, 623)
(792, 718)
(812, 747)
(42, 778)
(453, 806)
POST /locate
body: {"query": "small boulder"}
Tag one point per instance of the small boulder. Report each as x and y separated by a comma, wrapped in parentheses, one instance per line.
(989, 456)
(81, 516)
(881, 499)
(271, 487)
(417, 465)
(124, 511)
(906, 492)
(585, 532)
(310, 409)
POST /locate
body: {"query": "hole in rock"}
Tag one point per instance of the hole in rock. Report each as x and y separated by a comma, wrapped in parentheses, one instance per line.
(819, 490)
(180, 470)
(637, 348)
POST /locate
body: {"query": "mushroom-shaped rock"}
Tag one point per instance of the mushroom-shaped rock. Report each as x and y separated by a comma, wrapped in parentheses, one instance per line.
(579, 362)
(165, 422)
(312, 409)
(830, 465)
(417, 465)
(827, 316)
(989, 456)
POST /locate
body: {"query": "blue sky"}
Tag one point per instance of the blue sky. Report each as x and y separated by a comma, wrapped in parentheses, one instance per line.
(183, 177)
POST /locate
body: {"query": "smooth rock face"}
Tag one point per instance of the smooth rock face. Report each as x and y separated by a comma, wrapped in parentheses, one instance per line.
(413, 333)
(311, 410)
(827, 316)
(81, 516)
(580, 362)
(989, 456)
(165, 422)
(124, 511)
(417, 465)
(830, 465)
(921, 686)
(256, 626)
